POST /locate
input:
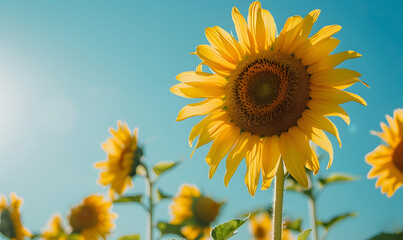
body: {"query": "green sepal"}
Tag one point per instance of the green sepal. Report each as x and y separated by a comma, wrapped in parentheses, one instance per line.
(228, 229)
(294, 225)
(161, 195)
(304, 235)
(388, 236)
(126, 199)
(335, 220)
(130, 237)
(167, 228)
(161, 167)
(335, 178)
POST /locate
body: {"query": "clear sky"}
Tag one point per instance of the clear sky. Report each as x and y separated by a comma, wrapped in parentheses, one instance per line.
(70, 69)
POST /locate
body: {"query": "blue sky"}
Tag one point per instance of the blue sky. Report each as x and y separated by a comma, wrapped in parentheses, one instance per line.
(70, 69)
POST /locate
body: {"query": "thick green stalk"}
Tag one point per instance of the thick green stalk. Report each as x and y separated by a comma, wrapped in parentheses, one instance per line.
(278, 202)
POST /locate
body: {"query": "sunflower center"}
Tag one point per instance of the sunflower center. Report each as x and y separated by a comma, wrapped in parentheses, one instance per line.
(83, 217)
(206, 210)
(267, 93)
(397, 156)
(260, 232)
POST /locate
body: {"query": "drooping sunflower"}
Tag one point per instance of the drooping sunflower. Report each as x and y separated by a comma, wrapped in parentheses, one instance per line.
(10, 218)
(55, 229)
(387, 160)
(268, 95)
(92, 219)
(260, 227)
(124, 156)
(194, 211)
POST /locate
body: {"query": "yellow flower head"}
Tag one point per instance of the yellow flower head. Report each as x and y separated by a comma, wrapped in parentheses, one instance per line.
(10, 223)
(193, 210)
(387, 160)
(260, 227)
(92, 219)
(55, 230)
(268, 95)
(123, 158)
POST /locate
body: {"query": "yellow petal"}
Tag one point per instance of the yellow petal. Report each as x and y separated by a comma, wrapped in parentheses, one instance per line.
(378, 155)
(253, 164)
(293, 159)
(290, 30)
(198, 76)
(302, 144)
(271, 159)
(332, 61)
(225, 44)
(318, 137)
(236, 155)
(214, 60)
(333, 77)
(305, 27)
(198, 90)
(321, 122)
(325, 32)
(329, 110)
(244, 36)
(270, 27)
(198, 128)
(326, 95)
(318, 51)
(220, 147)
(256, 26)
(201, 108)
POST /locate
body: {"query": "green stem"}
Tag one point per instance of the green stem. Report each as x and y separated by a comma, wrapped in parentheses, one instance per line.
(312, 207)
(313, 217)
(278, 202)
(151, 204)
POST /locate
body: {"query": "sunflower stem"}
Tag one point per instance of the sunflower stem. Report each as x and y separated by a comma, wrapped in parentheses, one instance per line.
(313, 217)
(151, 204)
(278, 202)
(312, 207)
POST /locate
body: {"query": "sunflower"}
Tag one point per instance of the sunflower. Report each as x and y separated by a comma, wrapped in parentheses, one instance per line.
(260, 227)
(92, 219)
(123, 158)
(55, 230)
(194, 211)
(387, 160)
(10, 218)
(268, 95)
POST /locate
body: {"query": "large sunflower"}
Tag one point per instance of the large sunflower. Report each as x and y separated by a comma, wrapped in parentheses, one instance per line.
(10, 218)
(260, 227)
(268, 95)
(387, 160)
(194, 212)
(124, 156)
(92, 219)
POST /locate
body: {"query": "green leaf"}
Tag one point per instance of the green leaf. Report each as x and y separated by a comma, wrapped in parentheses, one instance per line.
(161, 167)
(130, 237)
(227, 229)
(304, 235)
(134, 198)
(336, 178)
(335, 220)
(388, 236)
(295, 225)
(161, 195)
(74, 236)
(167, 228)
